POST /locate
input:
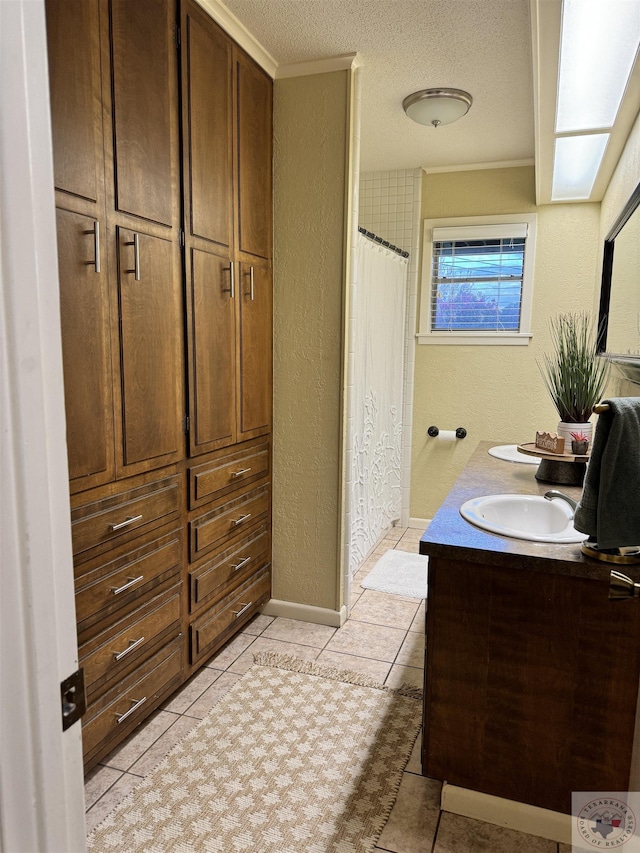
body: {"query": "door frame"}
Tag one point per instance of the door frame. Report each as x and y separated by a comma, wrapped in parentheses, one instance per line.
(41, 773)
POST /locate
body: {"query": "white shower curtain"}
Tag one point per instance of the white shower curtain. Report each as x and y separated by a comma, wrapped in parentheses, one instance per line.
(378, 352)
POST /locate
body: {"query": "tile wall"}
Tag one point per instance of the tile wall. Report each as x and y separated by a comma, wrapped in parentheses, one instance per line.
(390, 206)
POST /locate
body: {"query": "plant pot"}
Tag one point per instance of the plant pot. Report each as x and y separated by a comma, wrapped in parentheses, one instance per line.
(565, 430)
(579, 447)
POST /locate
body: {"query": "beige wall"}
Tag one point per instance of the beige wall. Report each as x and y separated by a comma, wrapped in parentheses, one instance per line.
(311, 138)
(496, 392)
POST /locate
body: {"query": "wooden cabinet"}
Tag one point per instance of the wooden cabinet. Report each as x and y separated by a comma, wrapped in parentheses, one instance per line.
(150, 387)
(74, 47)
(129, 556)
(153, 243)
(85, 322)
(145, 109)
(532, 672)
(113, 71)
(229, 541)
(227, 127)
(528, 669)
(253, 192)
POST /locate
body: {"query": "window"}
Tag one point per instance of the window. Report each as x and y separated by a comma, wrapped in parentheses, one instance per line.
(477, 280)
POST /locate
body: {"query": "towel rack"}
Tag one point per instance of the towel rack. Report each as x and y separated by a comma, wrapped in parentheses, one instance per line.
(601, 407)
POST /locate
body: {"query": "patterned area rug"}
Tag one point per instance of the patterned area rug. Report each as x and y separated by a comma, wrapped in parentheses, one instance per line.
(295, 758)
(399, 572)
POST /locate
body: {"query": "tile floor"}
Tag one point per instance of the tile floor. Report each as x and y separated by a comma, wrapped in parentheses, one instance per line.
(384, 638)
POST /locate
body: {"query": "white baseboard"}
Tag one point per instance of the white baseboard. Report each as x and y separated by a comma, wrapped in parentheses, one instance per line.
(419, 523)
(306, 612)
(508, 813)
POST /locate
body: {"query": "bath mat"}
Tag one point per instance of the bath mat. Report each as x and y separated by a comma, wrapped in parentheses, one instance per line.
(399, 572)
(295, 757)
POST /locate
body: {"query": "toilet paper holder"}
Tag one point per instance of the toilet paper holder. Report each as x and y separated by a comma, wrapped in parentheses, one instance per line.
(434, 432)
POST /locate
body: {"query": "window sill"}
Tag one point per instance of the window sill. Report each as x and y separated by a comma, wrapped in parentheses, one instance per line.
(517, 339)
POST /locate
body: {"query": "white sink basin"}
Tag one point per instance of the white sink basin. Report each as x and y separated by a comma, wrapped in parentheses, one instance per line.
(510, 453)
(523, 517)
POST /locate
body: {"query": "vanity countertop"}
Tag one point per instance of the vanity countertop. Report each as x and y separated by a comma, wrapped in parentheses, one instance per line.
(449, 535)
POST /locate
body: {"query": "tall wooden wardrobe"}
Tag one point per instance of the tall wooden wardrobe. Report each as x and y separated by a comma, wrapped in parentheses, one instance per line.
(162, 137)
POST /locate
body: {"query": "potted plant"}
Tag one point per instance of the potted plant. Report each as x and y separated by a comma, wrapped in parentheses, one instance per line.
(579, 443)
(574, 374)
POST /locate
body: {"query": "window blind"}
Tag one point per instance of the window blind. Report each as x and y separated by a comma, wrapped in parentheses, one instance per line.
(477, 278)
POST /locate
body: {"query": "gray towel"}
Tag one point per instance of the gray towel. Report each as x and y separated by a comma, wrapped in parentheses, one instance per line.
(609, 507)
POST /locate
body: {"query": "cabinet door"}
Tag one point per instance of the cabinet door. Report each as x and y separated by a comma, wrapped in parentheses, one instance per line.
(73, 40)
(212, 345)
(255, 345)
(84, 314)
(254, 126)
(144, 83)
(149, 287)
(206, 90)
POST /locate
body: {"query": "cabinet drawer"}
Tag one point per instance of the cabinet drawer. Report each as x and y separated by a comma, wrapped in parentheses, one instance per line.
(121, 583)
(120, 517)
(228, 521)
(128, 703)
(242, 602)
(227, 472)
(116, 651)
(209, 580)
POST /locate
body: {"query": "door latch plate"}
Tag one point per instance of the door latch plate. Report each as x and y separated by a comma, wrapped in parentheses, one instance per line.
(72, 698)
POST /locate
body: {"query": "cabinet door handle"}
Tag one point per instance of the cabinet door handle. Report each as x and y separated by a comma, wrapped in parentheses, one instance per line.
(237, 566)
(243, 609)
(251, 293)
(120, 718)
(242, 518)
(116, 590)
(240, 472)
(96, 246)
(125, 523)
(231, 290)
(136, 256)
(133, 644)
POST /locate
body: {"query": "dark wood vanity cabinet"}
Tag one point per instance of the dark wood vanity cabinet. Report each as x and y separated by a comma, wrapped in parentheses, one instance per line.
(531, 685)
(532, 673)
(165, 289)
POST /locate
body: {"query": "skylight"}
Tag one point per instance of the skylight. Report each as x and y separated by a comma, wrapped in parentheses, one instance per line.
(598, 46)
(600, 41)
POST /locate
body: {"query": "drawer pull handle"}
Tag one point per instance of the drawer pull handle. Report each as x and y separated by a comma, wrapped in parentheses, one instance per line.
(244, 607)
(116, 590)
(120, 718)
(240, 472)
(133, 644)
(251, 293)
(125, 523)
(237, 566)
(231, 290)
(242, 518)
(136, 256)
(96, 246)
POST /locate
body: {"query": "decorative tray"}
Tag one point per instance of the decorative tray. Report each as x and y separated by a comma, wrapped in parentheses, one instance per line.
(530, 449)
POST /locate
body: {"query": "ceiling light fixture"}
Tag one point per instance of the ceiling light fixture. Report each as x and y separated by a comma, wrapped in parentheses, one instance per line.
(437, 106)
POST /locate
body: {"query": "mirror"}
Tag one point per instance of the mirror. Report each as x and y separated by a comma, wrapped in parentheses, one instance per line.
(619, 320)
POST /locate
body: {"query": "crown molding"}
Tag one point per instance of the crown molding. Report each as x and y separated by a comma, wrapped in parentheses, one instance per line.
(344, 62)
(474, 167)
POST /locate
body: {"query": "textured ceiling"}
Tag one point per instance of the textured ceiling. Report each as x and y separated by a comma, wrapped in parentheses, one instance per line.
(482, 46)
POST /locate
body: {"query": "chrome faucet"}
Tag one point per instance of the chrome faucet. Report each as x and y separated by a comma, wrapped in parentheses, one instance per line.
(554, 493)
